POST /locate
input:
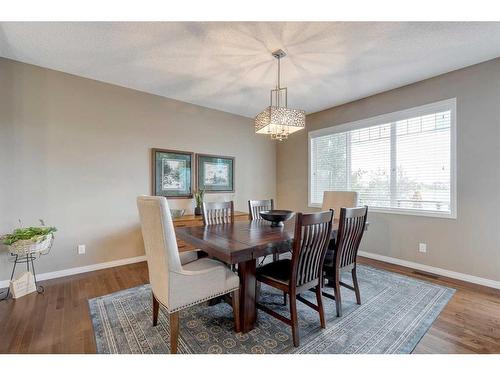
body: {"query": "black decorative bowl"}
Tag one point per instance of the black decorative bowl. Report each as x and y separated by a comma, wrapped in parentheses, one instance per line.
(277, 217)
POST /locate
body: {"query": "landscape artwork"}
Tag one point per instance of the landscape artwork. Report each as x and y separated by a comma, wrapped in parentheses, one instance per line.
(172, 173)
(215, 174)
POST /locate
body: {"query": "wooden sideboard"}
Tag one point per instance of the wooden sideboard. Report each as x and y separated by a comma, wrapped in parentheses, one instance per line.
(193, 221)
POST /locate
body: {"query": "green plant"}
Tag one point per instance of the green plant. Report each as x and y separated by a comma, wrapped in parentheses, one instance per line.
(35, 234)
(198, 197)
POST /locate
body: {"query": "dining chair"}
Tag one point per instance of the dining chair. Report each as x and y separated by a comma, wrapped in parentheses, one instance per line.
(338, 199)
(335, 200)
(303, 271)
(343, 256)
(218, 213)
(179, 281)
(255, 207)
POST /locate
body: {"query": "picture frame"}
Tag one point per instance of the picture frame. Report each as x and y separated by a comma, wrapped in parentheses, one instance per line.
(172, 173)
(215, 173)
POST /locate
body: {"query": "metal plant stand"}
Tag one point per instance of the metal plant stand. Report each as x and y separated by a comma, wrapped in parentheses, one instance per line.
(27, 256)
(21, 260)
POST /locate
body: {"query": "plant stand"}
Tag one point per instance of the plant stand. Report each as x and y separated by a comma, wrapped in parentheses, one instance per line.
(26, 252)
(27, 259)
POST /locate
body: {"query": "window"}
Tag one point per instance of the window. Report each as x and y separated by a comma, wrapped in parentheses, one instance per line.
(402, 162)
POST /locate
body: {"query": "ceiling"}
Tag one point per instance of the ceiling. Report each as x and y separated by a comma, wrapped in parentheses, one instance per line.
(228, 65)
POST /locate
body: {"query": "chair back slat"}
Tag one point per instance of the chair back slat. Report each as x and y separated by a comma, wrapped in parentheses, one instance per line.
(218, 213)
(351, 228)
(256, 207)
(312, 234)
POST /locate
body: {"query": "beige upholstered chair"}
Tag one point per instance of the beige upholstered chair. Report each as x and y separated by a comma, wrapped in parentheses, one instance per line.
(179, 281)
(337, 199)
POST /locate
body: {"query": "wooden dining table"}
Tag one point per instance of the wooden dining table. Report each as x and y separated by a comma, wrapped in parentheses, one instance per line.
(242, 243)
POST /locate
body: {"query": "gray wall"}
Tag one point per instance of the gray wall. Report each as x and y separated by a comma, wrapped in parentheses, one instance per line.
(471, 243)
(76, 153)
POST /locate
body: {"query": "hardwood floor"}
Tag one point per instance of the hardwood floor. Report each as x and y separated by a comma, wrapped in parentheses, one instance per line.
(59, 321)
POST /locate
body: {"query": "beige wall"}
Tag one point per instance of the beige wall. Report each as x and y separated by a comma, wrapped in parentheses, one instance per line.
(471, 243)
(76, 153)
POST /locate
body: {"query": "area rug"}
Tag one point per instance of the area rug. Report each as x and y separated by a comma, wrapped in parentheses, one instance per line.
(395, 313)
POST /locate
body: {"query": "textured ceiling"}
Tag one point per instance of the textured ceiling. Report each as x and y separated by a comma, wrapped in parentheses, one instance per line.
(228, 66)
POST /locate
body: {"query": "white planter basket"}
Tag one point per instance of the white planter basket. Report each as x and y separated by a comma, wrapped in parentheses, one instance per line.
(29, 247)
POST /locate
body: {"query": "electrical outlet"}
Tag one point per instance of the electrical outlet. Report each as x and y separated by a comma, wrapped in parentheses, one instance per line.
(422, 247)
(81, 249)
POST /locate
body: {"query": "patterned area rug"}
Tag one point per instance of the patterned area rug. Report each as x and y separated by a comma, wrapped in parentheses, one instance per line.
(396, 312)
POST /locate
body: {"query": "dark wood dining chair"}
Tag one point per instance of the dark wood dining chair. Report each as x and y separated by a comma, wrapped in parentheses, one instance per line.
(303, 271)
(342, 257)
(218, 213)
(255, 207)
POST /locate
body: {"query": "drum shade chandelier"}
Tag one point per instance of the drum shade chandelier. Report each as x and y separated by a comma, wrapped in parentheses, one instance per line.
(278, 120)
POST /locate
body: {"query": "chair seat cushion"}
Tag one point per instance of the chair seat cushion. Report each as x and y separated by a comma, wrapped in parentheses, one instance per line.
(228, 282)
(278, 271)
(200, 281)
(203, 264)
(188, 256)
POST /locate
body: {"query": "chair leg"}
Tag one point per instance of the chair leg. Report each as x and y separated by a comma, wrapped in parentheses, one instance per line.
(338, 302)
(235, 298)
(356, 286)
(156, 309)
(319, 298)
(258, 288)
(294, 319)
(174, 332)
(276, 257)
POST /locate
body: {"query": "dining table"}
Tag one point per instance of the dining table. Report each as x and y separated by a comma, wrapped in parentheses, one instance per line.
(242, 243)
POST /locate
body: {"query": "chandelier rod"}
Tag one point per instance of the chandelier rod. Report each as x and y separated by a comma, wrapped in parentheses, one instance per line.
(279, 54)
(279, 73)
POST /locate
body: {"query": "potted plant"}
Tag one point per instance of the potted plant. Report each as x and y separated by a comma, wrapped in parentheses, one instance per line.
(29, 240)
(198, 197)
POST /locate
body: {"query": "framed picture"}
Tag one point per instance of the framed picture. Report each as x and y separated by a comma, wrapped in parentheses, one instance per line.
(215, 174)
(172, 173)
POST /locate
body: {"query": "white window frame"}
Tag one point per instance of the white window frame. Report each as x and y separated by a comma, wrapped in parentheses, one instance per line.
(441, 106)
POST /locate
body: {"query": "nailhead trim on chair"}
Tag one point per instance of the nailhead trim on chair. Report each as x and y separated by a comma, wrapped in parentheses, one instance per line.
(197, 302)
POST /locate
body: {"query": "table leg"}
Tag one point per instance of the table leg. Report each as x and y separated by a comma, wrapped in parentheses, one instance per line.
(246, 271)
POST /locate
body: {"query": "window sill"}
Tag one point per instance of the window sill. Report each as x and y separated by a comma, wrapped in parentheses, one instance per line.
(433, 214)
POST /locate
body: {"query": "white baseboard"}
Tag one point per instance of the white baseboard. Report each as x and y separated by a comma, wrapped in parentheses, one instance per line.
(434, 270)
(77, 270)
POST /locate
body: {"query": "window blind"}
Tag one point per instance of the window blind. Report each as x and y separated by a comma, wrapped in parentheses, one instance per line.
(401, 165)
